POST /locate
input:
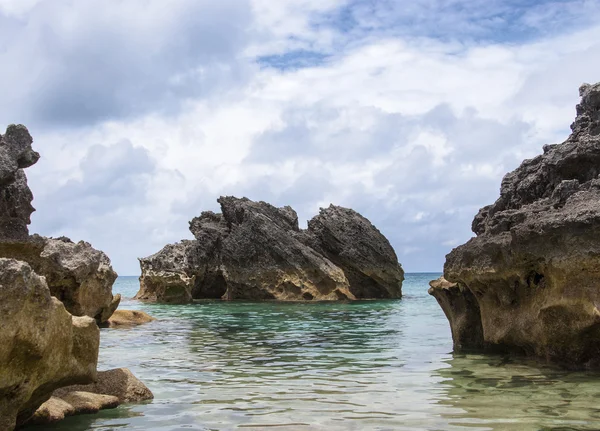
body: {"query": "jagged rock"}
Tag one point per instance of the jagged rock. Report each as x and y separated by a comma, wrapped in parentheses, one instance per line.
(127, 318)
(530, 281)
(42, 347)
(253, 250)
(77, 274)
(15, 197)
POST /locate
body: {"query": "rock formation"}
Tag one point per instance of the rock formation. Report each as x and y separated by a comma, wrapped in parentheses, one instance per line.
(529, 281)
(42, 347)
(112, 388)
(80, 276)
(253, 250)
(51, 291)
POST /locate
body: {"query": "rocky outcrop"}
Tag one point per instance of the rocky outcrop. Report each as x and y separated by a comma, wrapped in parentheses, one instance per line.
(530, 281)
(42, 347)
(77, 274)
(112, 388)
(253, 250)
(51, 291)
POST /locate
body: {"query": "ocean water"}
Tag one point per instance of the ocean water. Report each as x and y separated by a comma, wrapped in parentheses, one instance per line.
(374, 365)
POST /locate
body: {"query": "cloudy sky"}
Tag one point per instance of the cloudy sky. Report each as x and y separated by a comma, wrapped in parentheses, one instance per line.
(410, 112)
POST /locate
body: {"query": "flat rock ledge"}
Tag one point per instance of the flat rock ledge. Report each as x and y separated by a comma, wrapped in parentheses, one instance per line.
(113, 388)
(255, 251)
(529, 282)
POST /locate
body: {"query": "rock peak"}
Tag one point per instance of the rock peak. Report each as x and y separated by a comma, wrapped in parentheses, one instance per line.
(588, 111)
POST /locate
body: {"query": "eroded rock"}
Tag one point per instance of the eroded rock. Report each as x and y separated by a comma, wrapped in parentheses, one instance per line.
(533, 270)
(77, 274)
(253, 250)
(42, 347)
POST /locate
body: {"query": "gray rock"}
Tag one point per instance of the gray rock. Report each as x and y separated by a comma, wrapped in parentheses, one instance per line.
(534, 267)
(15, 197)
(253, 250)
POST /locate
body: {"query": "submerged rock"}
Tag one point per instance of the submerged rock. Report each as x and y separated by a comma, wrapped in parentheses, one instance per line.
(253, 250)
(530, 281)
(128, 318)
(42, 347)
(77, 274)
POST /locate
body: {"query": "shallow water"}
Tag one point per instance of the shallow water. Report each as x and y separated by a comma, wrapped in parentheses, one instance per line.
(377, 365)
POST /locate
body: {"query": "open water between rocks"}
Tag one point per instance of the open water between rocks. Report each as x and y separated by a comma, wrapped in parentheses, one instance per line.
(376, 365)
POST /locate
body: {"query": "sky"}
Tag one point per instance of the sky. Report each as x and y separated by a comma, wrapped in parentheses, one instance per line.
(146, 111)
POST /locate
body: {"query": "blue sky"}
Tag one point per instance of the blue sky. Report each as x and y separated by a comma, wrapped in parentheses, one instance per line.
(145, 112)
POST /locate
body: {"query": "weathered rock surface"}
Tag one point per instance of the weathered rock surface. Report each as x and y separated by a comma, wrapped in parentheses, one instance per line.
(128, 318)
(77, 274)
(253, 250)
(42, 347)
(15, 197)
(112, 388)
(530, 281)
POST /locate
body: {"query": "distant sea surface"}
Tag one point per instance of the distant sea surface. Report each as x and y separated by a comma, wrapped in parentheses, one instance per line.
(373, 365)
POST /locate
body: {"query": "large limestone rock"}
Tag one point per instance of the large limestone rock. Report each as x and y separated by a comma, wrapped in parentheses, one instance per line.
(42, 346)
(253, 250)
(77, 274)
(530, 281)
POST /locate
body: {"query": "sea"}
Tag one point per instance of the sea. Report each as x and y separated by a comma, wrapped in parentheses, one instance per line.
(369, 365)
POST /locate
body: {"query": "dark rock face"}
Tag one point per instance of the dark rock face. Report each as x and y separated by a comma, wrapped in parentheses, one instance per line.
(15, 197)
(77, 274)
(253, 250)
(533, 270)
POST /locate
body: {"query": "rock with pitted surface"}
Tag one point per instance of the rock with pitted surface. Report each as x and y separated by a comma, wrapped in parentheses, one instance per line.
(15, 197)
(77, 274)
(529, 281)
(253, 250)
(42, 346)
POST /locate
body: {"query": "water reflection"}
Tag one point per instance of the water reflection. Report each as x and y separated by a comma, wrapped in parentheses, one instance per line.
(502, 394)
(341, 366)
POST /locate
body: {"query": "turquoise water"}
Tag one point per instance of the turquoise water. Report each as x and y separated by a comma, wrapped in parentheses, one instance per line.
(383, 365)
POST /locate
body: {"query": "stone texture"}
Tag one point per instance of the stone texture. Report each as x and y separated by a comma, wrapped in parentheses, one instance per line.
(253, 250)
(87, 402)
(531, 277)
(128, 318)
(119, 383)
(53, 410)
(42, 347)
(15, 197)
(112, 388)
(77, 274)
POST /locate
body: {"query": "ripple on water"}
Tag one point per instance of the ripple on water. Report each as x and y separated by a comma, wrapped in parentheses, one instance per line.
(337, 366)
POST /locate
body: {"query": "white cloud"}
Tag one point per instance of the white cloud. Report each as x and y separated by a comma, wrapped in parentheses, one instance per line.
(412, 131)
